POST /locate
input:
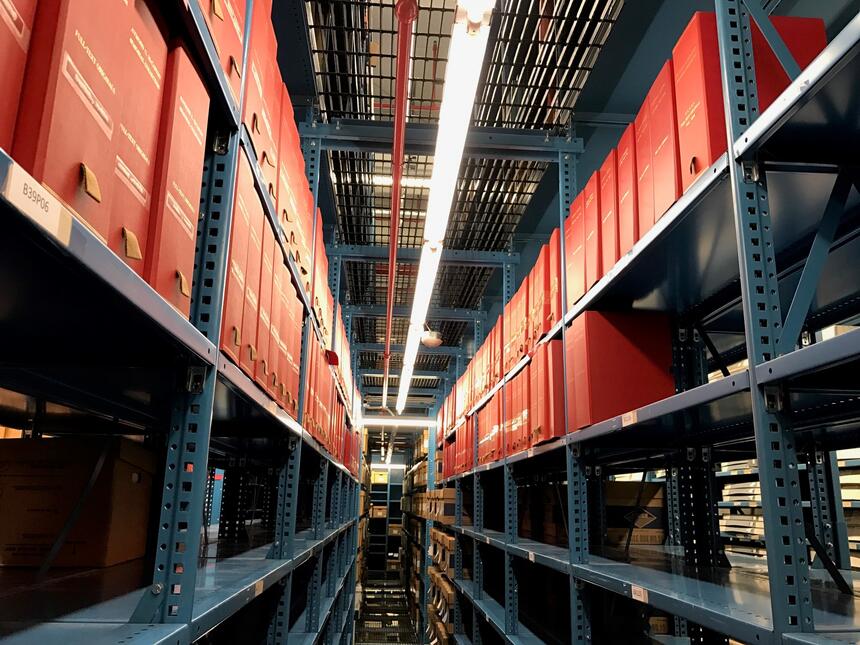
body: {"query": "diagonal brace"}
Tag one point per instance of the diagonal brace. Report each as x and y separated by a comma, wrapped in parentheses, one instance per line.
(774, 40)
(805, 291)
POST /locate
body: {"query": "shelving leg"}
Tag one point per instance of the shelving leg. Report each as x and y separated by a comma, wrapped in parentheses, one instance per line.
(283, 546)
(788, 567)
(577, 531)
(828, 517)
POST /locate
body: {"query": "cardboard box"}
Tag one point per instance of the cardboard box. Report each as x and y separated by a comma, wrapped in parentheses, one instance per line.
(226, 20)
(249, 355)
(68, 122)
(574, 250)
(143, 52)
(232, 336)
(698, 83)
(547, 393)
(40, 482)
(609, 211)
(664, 141)
(264, 368)
(628, 196)
(593, 240)
(617, 362)
(176, 199)
(647, 519)
(17, 17)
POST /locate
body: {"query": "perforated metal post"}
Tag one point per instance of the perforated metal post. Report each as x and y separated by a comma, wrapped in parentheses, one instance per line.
(231, 526)
(171, 596)
(283, 547)
(791, 599)
(458, 551)
(577, 485)
(318, 520)
(825, 495)
(577, 531)
(478, 527)
(334, 278)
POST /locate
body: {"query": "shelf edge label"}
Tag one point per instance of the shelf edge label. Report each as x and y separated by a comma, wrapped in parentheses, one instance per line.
(629, 418)
(638, 593)
(32, 199)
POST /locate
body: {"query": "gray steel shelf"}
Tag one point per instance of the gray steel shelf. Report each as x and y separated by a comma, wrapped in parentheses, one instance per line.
(833, 638)
(739, 612)
(494, 613)
(721, 398)
(89, 634)
(67, 239)
(829, 353)
(223, 587)
(814, 119)
(238, 382)
(295, 273)
(298, 635)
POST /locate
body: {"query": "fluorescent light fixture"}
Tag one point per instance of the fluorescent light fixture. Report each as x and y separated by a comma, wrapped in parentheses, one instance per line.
(398, 422)
(406, 182)
(463, 70)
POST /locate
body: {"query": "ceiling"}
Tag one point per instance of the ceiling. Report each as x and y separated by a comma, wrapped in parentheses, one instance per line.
(538, 59)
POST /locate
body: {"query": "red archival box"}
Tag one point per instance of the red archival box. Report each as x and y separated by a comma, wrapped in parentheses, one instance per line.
(17, 17)
(182, 147)
(609, 211)
(644, 170)
(248, 355)
(234, 297)
(664, 142)
(617, 362)
(556, 310)
(574, 250)
(628, 207)
(141, 88)
(547, 392)
(226, 19)
(593, 245)
(263, 369)
(68, 123)
(698, 84)
(262, 110)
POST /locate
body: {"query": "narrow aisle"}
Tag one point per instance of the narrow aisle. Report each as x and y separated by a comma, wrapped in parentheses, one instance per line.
(384, 616)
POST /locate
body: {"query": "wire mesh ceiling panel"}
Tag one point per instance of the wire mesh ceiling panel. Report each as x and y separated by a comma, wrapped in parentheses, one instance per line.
(538, 59)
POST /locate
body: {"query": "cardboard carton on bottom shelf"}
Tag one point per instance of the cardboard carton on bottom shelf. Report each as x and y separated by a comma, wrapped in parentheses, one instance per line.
(40, 483)
(647, 519)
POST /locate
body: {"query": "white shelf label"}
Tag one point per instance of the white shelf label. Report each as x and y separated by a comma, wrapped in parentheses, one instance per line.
(32, 199)
(629, 418)
(638, 593)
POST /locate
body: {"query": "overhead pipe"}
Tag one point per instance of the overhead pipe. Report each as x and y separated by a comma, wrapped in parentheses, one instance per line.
(406, 11)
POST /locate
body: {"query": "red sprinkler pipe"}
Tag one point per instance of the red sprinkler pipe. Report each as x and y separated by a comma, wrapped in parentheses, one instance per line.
(407, 11)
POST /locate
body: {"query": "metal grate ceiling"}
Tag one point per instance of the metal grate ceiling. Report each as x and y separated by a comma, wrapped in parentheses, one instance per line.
(372, 330)
(538, 59)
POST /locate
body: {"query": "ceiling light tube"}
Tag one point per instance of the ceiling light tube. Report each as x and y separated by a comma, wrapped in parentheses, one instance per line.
(463, 70)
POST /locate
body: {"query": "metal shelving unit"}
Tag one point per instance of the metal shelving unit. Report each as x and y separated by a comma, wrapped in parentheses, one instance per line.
(109, 356)
(758, 207)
